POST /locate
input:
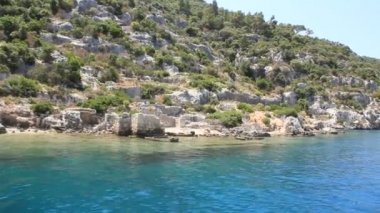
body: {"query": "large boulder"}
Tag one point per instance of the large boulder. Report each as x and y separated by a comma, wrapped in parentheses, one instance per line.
(144, 125)
(292, 126)
(85, 5)
(192, 96)
(123, 125)
(290, 98)
(2, 129)
(125, 19)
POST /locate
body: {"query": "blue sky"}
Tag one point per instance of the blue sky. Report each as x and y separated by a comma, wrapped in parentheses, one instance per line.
(355, 23)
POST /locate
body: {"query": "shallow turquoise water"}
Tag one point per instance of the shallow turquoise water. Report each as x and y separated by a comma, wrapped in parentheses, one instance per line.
(57, 173)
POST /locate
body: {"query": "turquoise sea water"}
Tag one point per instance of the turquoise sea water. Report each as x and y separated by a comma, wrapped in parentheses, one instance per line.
(57, 173)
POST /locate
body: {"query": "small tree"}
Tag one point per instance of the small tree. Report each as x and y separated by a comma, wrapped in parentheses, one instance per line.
(215, 7)
(54, 6)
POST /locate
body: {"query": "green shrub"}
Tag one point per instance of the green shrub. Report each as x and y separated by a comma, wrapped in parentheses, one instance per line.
(245, 107)
(149, 91)
(205, 82)
(266, 121)
(376, 94)
(302, 105)
(229, 119)
(109, 74)
(263, 84)
(20, 86)
(208, 109)
(287, 112)
(167, 100)
(103, 102)
(42, 108)
(304, 93)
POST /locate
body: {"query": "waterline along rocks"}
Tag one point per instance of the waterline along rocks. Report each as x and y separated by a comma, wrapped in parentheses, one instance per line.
(181, 68)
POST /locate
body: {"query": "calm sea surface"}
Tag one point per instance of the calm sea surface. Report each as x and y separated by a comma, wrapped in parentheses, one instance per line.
(58, 173)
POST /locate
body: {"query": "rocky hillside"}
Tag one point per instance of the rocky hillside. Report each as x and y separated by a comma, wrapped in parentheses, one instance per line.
(177, 67)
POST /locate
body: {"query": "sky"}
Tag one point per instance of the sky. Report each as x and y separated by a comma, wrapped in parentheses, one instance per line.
(355, 23)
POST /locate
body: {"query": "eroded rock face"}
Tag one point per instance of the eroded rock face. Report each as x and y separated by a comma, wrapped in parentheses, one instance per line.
(271, 100)
(226, 95)
(2, 129)
(292, 126)
(372, 114)
(191, 119)
(144, 125)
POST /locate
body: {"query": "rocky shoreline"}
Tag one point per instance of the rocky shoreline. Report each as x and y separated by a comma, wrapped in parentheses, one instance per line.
(156, 120)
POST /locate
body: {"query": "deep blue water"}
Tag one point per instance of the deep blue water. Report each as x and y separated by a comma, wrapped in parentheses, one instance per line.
(56, 173)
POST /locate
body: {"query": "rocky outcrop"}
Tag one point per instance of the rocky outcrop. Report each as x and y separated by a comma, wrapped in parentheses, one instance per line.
(360, 98)
(204, 49)
(144, 125)
(2, 129)
(85, 5)
(352, 81)
(271, 100)
(56, 26)
(292, 126)
(157, 18)
(290, 98)
(227, 95)
(192, 96)
(125, 19)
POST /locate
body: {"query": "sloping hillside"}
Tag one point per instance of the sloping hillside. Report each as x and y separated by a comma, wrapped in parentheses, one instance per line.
(182, 66)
